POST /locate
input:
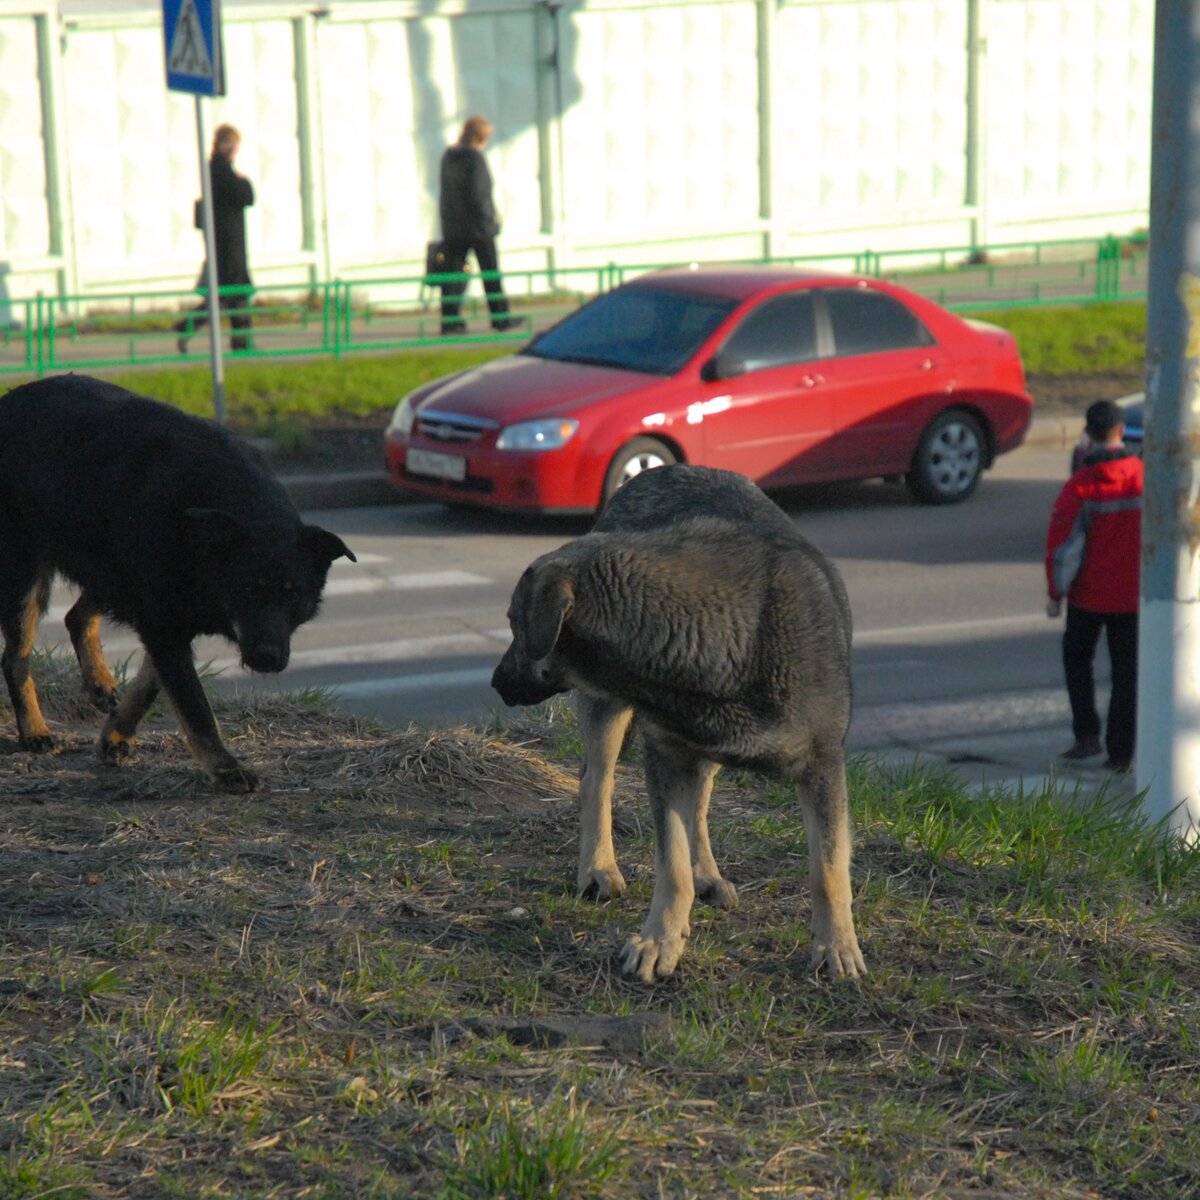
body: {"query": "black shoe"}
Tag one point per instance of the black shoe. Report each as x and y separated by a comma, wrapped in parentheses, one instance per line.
(506, 323)
(1118, 766)
(1082, 748)
(453, 330)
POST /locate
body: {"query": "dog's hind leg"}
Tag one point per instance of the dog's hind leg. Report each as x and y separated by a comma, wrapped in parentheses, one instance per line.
(603, 725)
(676, 779)
(117, 736)
(711, 887)
(83, 624)
(22, 602)
(824, 798)
(177, 673)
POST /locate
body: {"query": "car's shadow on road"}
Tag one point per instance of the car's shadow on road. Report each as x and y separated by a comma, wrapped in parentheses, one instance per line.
(1004, 521)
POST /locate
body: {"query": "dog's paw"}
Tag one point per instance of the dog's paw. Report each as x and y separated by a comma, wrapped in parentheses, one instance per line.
(600, 883)
(649, 958)
(717, 891)
(842, 959)
(37, 743)
(234, 778)
(115, 748)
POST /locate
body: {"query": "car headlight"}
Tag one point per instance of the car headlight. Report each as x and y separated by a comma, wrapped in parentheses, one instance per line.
(403, 417)
(550, 434)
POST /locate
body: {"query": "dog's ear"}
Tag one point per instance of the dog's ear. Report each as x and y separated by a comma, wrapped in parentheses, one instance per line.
(549, 602)
(324, 546)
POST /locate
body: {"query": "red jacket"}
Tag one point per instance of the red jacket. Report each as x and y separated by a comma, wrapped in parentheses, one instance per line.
(1104, 497)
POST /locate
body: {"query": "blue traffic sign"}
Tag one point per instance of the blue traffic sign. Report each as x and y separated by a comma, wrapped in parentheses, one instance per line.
(192, 32)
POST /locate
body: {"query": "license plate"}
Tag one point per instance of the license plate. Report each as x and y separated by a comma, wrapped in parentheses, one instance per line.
(440, 466)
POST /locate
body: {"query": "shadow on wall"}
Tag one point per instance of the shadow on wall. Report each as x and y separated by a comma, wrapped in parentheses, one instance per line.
(555, 45)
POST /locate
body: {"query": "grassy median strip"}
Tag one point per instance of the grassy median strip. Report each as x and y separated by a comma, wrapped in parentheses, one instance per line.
(374, 980)
(1053, 340)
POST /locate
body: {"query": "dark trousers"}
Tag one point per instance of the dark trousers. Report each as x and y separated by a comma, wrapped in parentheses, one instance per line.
(238, 308)
(452, 292)
(1079, 650)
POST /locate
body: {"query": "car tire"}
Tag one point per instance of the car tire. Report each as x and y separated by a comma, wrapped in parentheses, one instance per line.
(949, 459)
(642, 454)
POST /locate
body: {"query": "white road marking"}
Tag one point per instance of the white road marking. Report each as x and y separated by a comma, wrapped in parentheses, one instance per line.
(362, 585)
(954, 629)
(401, 649)
(422, 581)
(366, 689)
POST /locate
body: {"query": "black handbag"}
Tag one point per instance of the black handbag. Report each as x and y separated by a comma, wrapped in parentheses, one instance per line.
(435, 259)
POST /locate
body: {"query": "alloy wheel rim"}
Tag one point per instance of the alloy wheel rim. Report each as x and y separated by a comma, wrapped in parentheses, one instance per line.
(954, 459)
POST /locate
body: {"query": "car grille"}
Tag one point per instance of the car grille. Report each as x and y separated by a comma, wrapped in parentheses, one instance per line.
(452, 428)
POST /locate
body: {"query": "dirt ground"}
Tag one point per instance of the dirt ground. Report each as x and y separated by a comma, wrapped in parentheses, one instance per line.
(356, 444)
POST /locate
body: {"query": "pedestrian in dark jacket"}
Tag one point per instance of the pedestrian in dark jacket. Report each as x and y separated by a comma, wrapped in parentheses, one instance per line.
(232, 194)
(470, 226)
(1093, 559)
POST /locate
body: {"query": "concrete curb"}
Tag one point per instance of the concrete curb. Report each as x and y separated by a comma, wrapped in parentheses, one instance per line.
(341, 489)
(359, 489)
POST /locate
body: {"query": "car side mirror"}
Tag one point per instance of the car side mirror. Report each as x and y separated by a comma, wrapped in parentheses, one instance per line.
(722, 365)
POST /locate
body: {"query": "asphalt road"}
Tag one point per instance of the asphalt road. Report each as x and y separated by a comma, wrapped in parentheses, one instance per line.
(953, 655)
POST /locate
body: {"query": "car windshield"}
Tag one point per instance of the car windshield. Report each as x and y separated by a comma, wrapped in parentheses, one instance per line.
(635, 329)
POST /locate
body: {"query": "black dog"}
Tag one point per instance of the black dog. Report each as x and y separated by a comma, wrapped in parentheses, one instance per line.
(168, 524)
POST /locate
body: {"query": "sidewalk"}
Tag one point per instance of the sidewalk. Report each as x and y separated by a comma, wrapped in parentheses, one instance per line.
(357, 489)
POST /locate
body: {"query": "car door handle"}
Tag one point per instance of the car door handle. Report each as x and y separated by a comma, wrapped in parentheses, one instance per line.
(809, 381)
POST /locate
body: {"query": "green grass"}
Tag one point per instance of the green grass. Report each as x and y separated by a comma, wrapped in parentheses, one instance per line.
(305, 991)
(280, 398)
(319, 389)
(1065, 340)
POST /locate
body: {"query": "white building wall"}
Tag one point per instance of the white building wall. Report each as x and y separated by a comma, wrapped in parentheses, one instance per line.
(662, 131)
(24, 215)
(872, 124)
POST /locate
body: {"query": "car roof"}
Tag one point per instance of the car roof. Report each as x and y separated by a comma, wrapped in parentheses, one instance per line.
(738, 281)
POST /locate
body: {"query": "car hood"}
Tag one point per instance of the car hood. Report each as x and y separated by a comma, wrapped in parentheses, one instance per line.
(521, 387)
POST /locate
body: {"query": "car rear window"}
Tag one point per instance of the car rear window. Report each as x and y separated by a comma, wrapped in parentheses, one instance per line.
(635, 329)
(866, 322)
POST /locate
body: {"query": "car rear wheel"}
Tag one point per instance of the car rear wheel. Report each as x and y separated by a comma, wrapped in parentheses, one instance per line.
(642, 454)
(949, 459)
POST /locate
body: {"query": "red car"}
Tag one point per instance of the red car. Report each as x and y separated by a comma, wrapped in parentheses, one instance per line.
(787, 376)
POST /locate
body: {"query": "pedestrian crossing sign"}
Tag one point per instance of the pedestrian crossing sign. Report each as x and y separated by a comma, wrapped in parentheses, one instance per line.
(192, 32)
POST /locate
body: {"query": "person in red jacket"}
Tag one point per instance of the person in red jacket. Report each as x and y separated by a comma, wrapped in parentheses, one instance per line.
(1093, 558)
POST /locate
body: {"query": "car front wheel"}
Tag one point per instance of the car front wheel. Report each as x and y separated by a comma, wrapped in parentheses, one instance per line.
(642, 454)
(949, 459)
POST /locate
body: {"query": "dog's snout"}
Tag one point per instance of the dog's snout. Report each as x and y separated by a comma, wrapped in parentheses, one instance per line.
(266, 658)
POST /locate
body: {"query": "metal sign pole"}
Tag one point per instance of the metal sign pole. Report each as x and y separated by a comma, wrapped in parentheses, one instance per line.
(210, 272)
(196, 64)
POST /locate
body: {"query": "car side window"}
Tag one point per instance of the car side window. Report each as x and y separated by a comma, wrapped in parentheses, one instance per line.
(779, 331)
(867, 322)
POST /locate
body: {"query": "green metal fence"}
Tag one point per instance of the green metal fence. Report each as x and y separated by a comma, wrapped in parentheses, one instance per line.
(52, 333)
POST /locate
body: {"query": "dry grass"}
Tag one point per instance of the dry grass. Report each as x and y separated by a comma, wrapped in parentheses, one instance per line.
(372, 979)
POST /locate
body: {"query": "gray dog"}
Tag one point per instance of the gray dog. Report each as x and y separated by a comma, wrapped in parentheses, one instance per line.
(697, 606)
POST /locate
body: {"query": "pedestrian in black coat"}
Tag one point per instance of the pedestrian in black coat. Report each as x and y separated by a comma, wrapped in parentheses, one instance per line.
(470, 225)
(232, 194)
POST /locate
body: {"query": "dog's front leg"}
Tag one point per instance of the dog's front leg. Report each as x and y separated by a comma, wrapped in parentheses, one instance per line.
(117, 736)
(827, 817)
(177, 673)
(603, 725)
(675, 779)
